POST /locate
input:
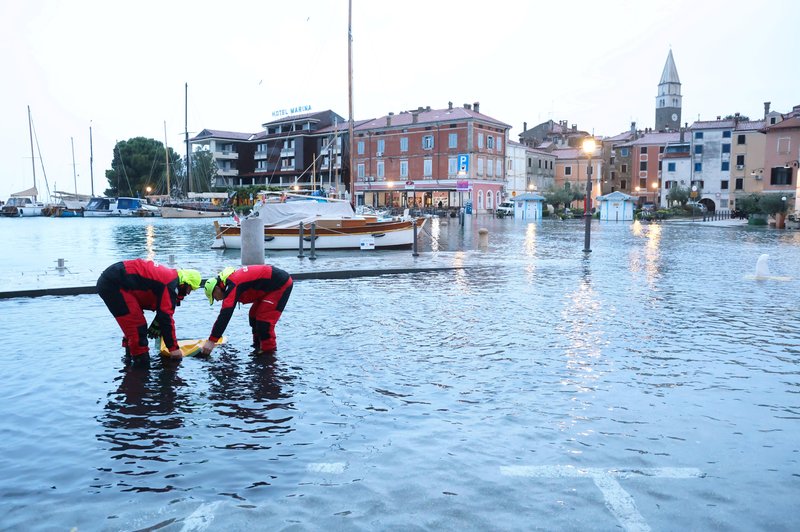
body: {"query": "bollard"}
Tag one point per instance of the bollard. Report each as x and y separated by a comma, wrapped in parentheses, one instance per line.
(414, 242)
(312, 255)
(252, 234)
(300, 250)
(60, 264)
(483, 237)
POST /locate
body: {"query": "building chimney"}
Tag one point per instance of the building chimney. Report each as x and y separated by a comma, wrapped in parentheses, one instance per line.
(477, 106)
(766, 109)
(450, 106)
(389, 119)
(719, 117)
(467, 106)
(683, 132)
(414, 117)
(633, 128)
(574, 127)
(524, 127)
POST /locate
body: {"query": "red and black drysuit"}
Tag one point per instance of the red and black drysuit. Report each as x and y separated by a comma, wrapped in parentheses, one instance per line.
(131, 286)
(268, 288)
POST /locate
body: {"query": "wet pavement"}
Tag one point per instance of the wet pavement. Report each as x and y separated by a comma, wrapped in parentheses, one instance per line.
(651, 386)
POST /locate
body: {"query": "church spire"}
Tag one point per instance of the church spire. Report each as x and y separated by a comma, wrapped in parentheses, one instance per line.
(668, 101)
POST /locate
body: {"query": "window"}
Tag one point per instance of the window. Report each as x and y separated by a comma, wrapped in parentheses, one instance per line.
(427, 142)
(698, 148)
(480, 166)
(726, 134)
(540, 163)
(723, 185)
(660, 165)
(361, 170)
(725, 166)
(740, 183)
(360, 147)
(452, 140)
(643, 150)
(623, 152)
(480, 140)
(623, 184)
(740, 160)
(403, 143)
(490, 142)
(740, 139)
(499, 168)
(427, 168)
(643, 166)
(499, 144)
(698, 135)
(670, 167)
(452, 166)
(381, 170)
(489, 168)
(661, 149)
(567, 170)
(403, 168)
(381, 146)
(698, 167)
(643, 184)
(726, 148)
(781, 176)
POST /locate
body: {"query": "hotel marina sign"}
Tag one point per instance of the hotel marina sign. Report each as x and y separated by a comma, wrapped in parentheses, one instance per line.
(291, 111)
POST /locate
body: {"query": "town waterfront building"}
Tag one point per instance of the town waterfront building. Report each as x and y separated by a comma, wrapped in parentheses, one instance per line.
(427, 157)
(516, 177)
(782, 157)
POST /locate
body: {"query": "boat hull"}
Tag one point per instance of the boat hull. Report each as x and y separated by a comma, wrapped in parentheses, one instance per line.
(380, 235)
(24, 212)
(180, 212)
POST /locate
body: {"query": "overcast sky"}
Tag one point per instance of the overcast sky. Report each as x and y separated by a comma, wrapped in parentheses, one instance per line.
(121, 66)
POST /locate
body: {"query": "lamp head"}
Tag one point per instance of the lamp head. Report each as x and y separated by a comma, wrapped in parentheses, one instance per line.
(589, 145)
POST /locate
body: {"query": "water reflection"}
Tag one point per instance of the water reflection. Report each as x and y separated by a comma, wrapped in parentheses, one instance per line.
(142, 420)
(647, 260)
(529, 246)
(150, 239)
(251, 400)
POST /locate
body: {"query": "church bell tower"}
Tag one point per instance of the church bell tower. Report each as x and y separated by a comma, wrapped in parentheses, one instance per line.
(668, 101)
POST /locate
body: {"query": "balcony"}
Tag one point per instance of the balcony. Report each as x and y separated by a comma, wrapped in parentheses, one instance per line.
(287, 152)
(227, 155)
(228, 172)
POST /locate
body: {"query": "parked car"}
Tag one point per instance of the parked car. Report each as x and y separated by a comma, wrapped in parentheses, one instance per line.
(696, 207)
(505, 209)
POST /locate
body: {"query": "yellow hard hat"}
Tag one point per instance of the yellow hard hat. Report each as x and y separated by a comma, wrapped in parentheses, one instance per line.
(190, 277)
(212, 283)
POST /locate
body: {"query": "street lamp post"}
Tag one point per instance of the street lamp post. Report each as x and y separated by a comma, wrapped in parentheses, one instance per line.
(655, 195)
(694, 195)
(588, 148)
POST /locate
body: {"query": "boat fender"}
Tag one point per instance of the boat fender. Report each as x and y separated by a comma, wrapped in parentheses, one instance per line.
(378, 235)
(308, 238)
(269, 238)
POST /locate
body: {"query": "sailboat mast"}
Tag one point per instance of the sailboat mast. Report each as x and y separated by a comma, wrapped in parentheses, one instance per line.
(33, 159)
(91, 158)
(74, 174)
(166, 155)
(186, 133)
(350, 98)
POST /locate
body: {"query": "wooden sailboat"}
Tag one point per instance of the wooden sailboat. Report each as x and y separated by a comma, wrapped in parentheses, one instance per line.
(335, 224)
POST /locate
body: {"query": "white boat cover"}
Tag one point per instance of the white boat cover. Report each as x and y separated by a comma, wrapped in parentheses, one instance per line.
(294, 212)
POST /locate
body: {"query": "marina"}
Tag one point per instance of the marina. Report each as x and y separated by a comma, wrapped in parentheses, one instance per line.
(649, 385)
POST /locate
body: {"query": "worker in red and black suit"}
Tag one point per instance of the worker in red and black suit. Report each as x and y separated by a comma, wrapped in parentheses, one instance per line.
(132, 286)
(268, 288)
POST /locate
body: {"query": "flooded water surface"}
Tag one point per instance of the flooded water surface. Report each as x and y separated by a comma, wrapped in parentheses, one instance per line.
(653, 385)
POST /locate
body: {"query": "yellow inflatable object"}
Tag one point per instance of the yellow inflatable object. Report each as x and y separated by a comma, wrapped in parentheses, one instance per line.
(188, 347)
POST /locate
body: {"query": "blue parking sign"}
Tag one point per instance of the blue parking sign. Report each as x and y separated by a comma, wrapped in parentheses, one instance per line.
(463, 163)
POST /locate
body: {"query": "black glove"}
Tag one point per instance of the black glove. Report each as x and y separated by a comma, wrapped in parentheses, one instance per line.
(154, 331)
